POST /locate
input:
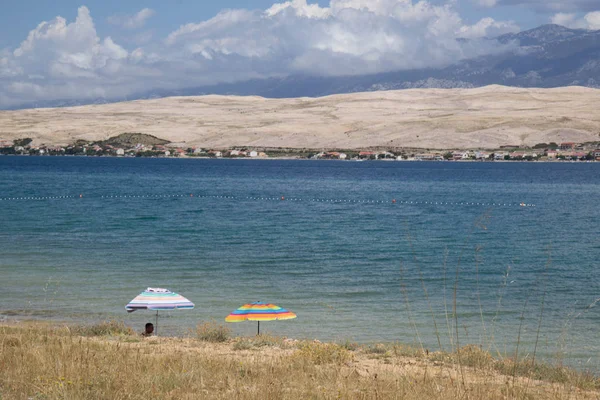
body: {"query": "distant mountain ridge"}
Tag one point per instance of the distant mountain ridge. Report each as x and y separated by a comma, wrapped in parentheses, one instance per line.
(545, 34)
(547, 56)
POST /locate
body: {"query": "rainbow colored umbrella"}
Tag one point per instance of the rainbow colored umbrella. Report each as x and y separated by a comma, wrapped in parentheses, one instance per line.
(259, 311)
(158, 299)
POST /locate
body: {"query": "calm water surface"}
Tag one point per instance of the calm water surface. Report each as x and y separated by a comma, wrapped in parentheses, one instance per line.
(356, 271)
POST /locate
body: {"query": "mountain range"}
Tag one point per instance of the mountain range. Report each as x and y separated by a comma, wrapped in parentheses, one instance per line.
(546, 57)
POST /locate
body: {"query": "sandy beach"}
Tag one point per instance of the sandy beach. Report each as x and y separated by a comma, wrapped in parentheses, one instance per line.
(487, 117)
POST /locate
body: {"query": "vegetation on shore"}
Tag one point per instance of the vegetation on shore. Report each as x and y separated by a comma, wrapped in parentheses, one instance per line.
(144, 145)
(39, 361)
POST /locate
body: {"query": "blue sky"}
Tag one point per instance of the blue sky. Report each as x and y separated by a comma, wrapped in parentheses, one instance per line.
(69, 49)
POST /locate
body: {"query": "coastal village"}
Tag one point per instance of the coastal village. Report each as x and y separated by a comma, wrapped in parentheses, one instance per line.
(567, 151)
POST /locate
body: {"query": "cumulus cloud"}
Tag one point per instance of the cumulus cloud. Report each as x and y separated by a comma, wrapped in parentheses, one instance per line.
(61, 60)
(589, 21)
(348, 37)
(488, 27)
(134, 21)
(70, 60)
(565, 19)
(593, 20)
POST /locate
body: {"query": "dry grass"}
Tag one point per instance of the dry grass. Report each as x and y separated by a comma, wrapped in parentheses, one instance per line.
(106, 328)
(316, 353)
(42, 362)
(262, 340)
(212, 332)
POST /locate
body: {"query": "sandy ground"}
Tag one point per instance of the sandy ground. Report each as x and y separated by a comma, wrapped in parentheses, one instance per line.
(431, 118)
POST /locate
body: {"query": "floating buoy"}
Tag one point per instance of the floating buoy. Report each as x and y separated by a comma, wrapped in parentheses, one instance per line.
(191, 195)
(282, 198)
(80, 196)
(394, 201)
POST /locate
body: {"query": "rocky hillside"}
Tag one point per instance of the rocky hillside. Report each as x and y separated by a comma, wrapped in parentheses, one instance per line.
(487, 117)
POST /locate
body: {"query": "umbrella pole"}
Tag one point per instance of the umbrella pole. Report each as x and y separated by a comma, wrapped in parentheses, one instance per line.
(258, 329)
(156, 325)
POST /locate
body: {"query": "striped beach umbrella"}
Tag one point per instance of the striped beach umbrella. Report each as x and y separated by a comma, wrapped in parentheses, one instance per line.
(158, 299)
(259, 311)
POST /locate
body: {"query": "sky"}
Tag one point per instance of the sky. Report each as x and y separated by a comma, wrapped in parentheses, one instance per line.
(78, 49)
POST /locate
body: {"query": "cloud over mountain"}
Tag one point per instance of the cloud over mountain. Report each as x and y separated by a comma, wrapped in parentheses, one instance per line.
(590, 20)
(61, 60)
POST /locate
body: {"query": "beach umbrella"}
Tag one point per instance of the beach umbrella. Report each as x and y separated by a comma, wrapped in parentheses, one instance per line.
(259, 311)
(158, 299)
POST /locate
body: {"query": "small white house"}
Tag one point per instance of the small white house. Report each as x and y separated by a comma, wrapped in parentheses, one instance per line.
(253, 154)
(467, 155)
(386, 155)
(120, 152)
(343, 156)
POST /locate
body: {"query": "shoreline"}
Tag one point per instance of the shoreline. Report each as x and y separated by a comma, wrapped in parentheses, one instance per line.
(110, 361)
(310, 159)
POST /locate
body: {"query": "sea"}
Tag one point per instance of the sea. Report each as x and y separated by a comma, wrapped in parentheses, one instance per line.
(437, 255)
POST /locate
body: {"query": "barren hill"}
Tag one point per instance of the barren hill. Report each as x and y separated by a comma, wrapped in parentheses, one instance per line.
(487, 117)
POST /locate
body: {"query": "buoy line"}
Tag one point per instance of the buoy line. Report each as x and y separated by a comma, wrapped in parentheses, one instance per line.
(269, 198)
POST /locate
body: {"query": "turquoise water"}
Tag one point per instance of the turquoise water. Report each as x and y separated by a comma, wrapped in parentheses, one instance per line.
(350, 270)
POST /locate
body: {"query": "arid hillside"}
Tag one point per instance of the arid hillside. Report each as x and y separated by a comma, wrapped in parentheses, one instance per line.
(431, 118)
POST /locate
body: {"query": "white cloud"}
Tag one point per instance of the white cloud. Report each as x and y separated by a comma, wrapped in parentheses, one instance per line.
(488, 27)
(300, 7)
(566, 19)
(134, 21)
(347, 37)
(64, 60)
(593, 20)
(589, 21)
(69, 47)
